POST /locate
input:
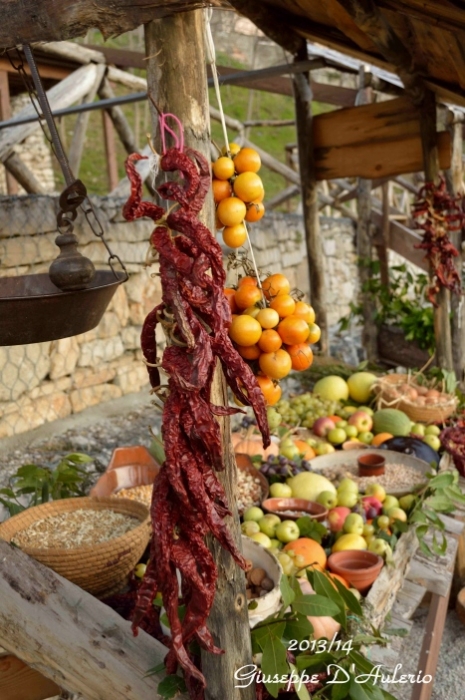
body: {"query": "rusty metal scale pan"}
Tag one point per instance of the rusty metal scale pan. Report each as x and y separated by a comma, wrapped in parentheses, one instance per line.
(33, 309)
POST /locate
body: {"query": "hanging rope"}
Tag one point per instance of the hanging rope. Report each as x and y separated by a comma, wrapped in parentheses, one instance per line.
(210, 57)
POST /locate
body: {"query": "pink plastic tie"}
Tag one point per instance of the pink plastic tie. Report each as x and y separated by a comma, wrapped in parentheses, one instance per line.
(164, 129)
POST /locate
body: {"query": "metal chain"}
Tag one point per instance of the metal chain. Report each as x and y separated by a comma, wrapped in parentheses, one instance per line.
(38, 97)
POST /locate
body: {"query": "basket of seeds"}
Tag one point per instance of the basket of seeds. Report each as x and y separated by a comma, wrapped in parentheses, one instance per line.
(93, 542)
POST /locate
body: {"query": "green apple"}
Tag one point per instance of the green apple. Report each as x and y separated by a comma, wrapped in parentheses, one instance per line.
(328, 499)
(353, 524)
(388, 503)
(268, 524)
(286, 563)
(366, 437)
(418, 429)
(368, 530)
(274, 418)
(336, 436)
(287, 448)
(280, 490)
(349, 541)
(287, 531)
(140, 570)
(348, 410)
(366, 409)
(351, 431)
(312, 442)
(347, 484)
(383, 522)
(432, 430)
(406, 502)
(397, 514)
(276, 544)
(262, 539)
(377, 491)
(250, 527)
(347, 498)
(253, 513)
(433, 441)
(324, 448)
(341, 424)
(378, 546)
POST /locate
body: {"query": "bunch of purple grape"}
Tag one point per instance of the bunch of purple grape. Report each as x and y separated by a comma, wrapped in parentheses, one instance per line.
(283, 468)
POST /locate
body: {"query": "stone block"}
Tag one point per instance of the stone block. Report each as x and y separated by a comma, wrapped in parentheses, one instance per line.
(329, 246)
(92, 376)
(93, 395)
(119, 305)
(22, 368)
(109, 326)
(131, 337)
(98, 351)
(35, 413)
(15, 250)
(47, 388)
(63, 358)
(132, 379)
(28, 215)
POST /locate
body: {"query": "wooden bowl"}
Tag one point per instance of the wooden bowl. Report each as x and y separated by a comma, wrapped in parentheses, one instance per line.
(359, 567)
(295, 508)
(132, 455)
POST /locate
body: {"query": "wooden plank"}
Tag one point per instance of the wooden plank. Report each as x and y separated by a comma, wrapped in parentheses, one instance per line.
(120, 122)
(70, 50)
(66, 93)
(408, 599)
(77, 144)
(19, 682)
(26, 178)
(46, 71)
(435, 574)
(110, 150)
(71, 637)
(402, 240)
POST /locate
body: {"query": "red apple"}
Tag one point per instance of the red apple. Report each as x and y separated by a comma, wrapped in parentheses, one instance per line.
(362, 421)
(336, 518)
(322, 426)
(372, 502)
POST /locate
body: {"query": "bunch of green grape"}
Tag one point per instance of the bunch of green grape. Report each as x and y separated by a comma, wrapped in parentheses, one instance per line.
(304, 409)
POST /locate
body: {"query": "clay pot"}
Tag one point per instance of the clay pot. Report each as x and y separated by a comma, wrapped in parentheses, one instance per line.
(371, 464)
(128, 467)
(359, 567)
(295, 508)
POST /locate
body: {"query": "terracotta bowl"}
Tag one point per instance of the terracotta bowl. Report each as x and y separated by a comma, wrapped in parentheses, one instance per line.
(245, 464)
(359, 567)
(371, 464)
(128, 467)
(294, 508)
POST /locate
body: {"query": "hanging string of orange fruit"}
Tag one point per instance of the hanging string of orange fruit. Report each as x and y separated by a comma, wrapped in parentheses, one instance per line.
(272, 330)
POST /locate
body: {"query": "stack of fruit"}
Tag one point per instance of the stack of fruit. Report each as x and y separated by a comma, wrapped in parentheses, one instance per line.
(271, 330)
(238, 192)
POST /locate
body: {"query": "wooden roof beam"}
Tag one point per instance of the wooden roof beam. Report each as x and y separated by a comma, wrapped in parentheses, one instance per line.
(370, 20)
(274, 24)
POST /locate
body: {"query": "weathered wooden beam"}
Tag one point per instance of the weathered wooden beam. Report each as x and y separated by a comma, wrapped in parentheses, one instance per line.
(454, 179)
(274, 164)
(71, 637)
(273, 25)
(25, 177)
(120, 122)
(5, 113)
(401, 239)
(383, 247)
(309, 189)
(369, 18)
(282, 197)
(20, 682)
(71, 51)
(134, 82)
(110, 150)
(64, 94)
(176, 69)
(79, 135)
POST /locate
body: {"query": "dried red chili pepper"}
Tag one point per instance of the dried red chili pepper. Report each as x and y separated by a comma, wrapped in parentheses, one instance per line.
(453, 441)
(438, 214)
(188, 499)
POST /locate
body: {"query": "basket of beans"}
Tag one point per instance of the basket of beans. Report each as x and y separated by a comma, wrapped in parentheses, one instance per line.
(93, 542)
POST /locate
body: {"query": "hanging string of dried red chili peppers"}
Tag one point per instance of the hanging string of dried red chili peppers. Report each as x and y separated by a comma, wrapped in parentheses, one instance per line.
(453, 441)
(438, 214)
(188, 499)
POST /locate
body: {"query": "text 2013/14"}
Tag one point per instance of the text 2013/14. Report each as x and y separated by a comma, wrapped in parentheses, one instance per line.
(318, 646)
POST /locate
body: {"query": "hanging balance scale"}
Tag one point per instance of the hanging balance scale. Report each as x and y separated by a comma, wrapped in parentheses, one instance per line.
(72, 298)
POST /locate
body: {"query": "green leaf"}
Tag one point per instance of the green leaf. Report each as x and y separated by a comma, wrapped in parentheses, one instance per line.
(314, 661)
(156, 669)
(8, 492)
(311, 528)
(396, 632)
(441, 480)
(425, 549)
(274, 663)
(349, 599)
(262, 634)
(437, 548)
(299, 688)
(358, 691)
(361, 662)
(455, 494)
(13, 508)
(287, 592)
(325, 588)
(316, 606)
(418, 517)
(170, 686)
(340, 691)
(298, 629)
(440, 503)
(421, 530)
(295, 585)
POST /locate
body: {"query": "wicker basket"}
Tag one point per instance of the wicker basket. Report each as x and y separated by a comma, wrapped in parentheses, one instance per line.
(100, 569)
(436, 413)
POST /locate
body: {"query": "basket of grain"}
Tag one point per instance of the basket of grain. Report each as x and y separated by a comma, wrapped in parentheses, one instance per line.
(421, 403)
(93, 542)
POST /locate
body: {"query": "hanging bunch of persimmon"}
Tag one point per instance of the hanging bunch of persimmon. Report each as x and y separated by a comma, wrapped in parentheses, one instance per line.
(272, 330)
(238, 192)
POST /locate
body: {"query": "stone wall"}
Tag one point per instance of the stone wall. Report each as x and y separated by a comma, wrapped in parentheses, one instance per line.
(40, 383)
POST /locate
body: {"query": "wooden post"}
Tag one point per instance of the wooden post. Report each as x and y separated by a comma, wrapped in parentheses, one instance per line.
(177, 81)
(110, 150)
(383, 248)
(5, 113)
(364, 239)
(303, 112)
(80, 128)
(454, 179)
(442, 330)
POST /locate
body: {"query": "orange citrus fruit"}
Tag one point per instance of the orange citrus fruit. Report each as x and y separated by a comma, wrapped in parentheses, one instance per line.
(231, 211)
(255, 211)
(305, 311)
(247, 280)
(248, 186)
(270, 389)
(380, 438)
(276, 284)
(284, 304)
(292, 329)
(234, 236)
(268, 318)
(229, 294)
(247, 159)
(249, 352)
(270, 341)
(314, 334)
(223, 168)
(247, 295)
(313, 553)
(234, 149)
(301, 356)
(221, 189)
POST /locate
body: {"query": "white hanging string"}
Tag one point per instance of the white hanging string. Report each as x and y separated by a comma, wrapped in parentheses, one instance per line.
(210, 57)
